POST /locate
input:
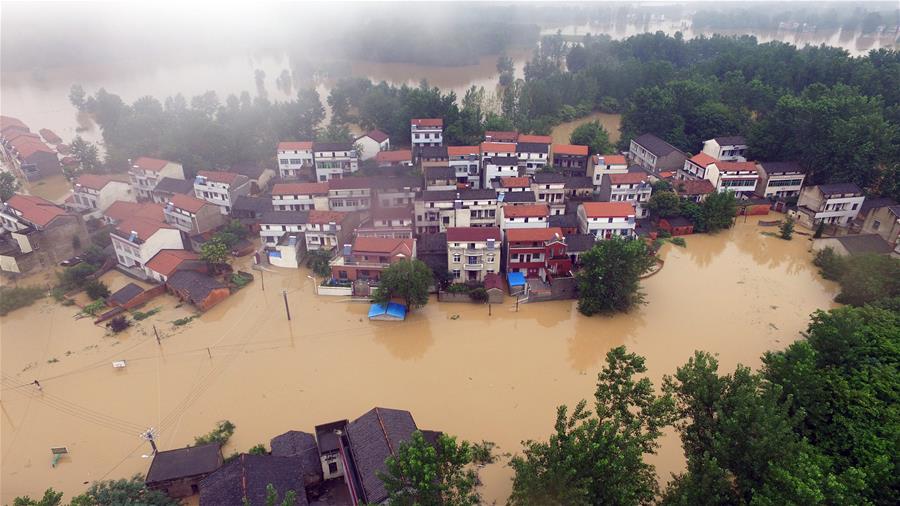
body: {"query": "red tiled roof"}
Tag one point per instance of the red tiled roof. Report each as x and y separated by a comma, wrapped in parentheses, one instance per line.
(120, 210)
(533, 234)
(376, 135)
(427, 122)
(497, 147)
(666, 174)
(325, 217)
(608, 209)
(385, 245)
(736, 166)
(462, 150)
(614, 159)
(167, 260)
(515, 182)
(27, 146)
(702, 159)
(628, 178)
(93, 181)
(526, 211)
(537, 139)
(694, 187)
(151, 164)
(295, 145)
(145, 227)
(35, 209)
(570, 149)
(188, 203)
(467, 234)
(219, 176)
(9, 121)
(502, 135)
(399, 155)
(13, 136)
(300, 188)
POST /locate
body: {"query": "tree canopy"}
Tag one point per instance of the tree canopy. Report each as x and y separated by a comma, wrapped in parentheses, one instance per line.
(609, 278)
(408, 280)
(593, 135)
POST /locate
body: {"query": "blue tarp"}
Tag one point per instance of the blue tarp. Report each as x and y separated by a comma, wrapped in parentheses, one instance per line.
(393, 311)
(515, 279)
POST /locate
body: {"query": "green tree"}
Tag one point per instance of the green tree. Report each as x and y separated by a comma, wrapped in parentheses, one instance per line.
(215, 252)
(719, 210)
(831, 265)
(609, 279)
(420, 473)
(96, 289)
(318, 261)
(9, 185)
(408, 280)
(598, 459)
(289, 499)
(309, 114)
(77, 96)
(867, 278)
(221, 434)
(506, 69)
(593, 135)
(786, 229)
(132, 491)
(335, 132)
(50, 498)
(664, 204)
(86, 154)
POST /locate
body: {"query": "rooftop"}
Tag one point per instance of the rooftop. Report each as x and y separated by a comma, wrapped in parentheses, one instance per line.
(526, 197)
(245, 479)
(866, 243)
(151, 164)
(579, 182)
(120, 210)
(300, 189)
(219, 176)
(532, 147)
(317, 217)
(172, 185)
(396, 156)
(839, 189)
(197, 285)
(439, 172)
(694, 187)
(781, 167)
(374, 437)
(35, 209)
(247, 203)
(321, 147)
(427, 122)
(433, 152)
(563, 220)
(515, 182)
(535, 139)
(628, 178)
(376, 135)
(354, 183)
(188, 203)
(502, 160)
(469, 234)
(733, 140)
(295, 145)
(608, 209)
(613, 159)
(95, 181)
(497, 147)
(284, 217)
(578, 243)
(167, 261)
(570, 149)
(702, 159)
(549, 178)
(526, 211)
(125, 294)
(386, 245)
(184, 462)
(462, 150)
(656, 145)
(737, 166)
(501, 135)
(534, 234)
(451, 195)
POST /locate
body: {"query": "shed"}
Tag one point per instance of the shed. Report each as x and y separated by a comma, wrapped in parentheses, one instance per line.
(199, 289)
(516, 282)
(849, 245)
(493, 284)
(123, 296)
(179, 472)
(678, 225)
(389, 312)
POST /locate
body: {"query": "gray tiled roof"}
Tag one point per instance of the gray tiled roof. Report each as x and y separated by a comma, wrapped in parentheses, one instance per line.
(519, 197)
(247, 477)
(197, 285)
(172, 185)
(656, 145)
(374, 437)
(862, 244)
(839, 188)
(284, 217)
(183, 462)
(578, 243)
(733, 140)
(450, 195)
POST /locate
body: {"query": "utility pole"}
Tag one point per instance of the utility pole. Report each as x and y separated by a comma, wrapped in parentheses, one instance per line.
(286, 308)
(157, 335)
(489, 309)
(149, 435)
(262, 279)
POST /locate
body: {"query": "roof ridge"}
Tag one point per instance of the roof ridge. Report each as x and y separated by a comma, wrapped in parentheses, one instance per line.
(384, 431)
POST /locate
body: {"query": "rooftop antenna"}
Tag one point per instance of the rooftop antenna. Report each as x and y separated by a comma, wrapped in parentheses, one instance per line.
(150, 435)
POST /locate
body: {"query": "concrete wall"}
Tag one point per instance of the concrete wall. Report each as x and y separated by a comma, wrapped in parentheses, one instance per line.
(335, 291)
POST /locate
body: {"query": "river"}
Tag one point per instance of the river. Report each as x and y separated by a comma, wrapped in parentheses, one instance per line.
(498, 378)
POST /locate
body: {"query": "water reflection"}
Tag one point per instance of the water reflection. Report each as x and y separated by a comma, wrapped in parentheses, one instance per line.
(593, 337)
(408, 340)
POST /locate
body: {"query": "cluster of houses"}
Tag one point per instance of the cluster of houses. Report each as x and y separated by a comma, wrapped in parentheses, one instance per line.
(338, 465)
(28, 153)
(513, 207)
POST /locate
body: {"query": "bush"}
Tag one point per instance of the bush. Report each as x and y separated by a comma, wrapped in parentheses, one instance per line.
(75, 277)
(96, 289)
(678, 241)
(787, 228)
(458, 288)
(609, 105)
(94, 255)
(259, 449)
(240, 281)
(479, 295)
(221, 434)
(19, 296)
(868, 278)
(831, 265)
(140, 315)
(183, 321)
(663, 234)
(94, 307)
(118, 324)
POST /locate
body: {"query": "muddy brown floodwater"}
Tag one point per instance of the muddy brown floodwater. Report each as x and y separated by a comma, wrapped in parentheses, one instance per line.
(611, 122)
(499, 378)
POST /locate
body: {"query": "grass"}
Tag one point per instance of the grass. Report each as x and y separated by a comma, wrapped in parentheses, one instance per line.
(678, 241)
(143, 315)
(94, 307)
(184, 321)
(19, 296)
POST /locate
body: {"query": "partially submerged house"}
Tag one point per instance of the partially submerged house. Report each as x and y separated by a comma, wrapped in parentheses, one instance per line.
(178, 472)
(368, 257)
(93, 194)
(221, 188)
(834, 204)
(37, 234)
(245, 480)
(199, 289)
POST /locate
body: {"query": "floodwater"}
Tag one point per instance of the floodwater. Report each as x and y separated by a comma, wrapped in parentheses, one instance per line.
(498, 378)
(611, 122)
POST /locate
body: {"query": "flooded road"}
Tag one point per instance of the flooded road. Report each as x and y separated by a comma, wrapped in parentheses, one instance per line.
(497, 378)
(611, 122)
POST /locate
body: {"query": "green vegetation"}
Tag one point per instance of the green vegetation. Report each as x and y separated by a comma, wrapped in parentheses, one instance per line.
(479, 295)
(289, 499)
(12, 298)
(408, 280)
(786, 229)
(831, 265)
(317, 261)
(715, 213)
(75, 277)
(420, 473)
(184, 321)
(96, 289)
(94, 255)
(678, 241)
(240, 280)
(104, 493)
(9, 185)
(221, 434)
(258, 449)
(864, 279)
(459, 288)
(593, 135)
(215, 252)
(118, 324)
(143, 315)
(94, 308)
(609, 279)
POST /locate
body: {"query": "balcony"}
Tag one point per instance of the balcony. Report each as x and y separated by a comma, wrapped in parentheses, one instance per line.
(473, 267)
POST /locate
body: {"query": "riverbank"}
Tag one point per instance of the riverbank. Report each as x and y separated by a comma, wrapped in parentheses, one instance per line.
(499, 378)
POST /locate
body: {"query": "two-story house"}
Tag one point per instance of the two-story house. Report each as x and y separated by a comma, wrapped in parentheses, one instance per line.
(537, 253)
(329, 229)
(275, 224)
(439, 177)
(834, 204)
(607, 164)
(571, 158)
(295, 159)
(739, 177)
(651, 152)
(779, 179)
(632, 187)
(533, 152)
(696, 167)
(466, 161)
(604, 220)
(395, 158)
(881, 216)
(192, 215)
(425, 132)
(168, 186)
(37, 234)
(93, 194)
(695, 190)
(496, 167)
(350, 194)
(525, 216)
(436, 211)
(397, 191)
(146, 172)
(368, 257)
(510, 184)
(550, 188)
(727, 149)
(473, 253)
(371, 143)
(334, 160)
(138, 239)
(503, 136)
(220, 188)
(392, 222)
(300, 196)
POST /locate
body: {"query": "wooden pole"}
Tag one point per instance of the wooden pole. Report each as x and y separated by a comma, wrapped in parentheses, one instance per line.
(286, 308)
(157, 335)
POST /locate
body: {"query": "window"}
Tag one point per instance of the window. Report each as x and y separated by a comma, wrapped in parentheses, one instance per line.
(456, 273)
(854, 207)
(456, 257)
(332, 467)
(610, 220)
(876, 224)
(472, 260)
(471, 245)
(489, 258)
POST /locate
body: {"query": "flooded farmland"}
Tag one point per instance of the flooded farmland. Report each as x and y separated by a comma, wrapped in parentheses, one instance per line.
(499, 378)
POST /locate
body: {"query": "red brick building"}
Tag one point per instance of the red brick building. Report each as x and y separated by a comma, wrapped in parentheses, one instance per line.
(537, 252)
(369, 256)
(676, 226)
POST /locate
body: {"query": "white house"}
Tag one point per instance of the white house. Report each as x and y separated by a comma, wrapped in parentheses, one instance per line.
(607, 219)
(606, 164)
(533, 152)
(334, 160)
(146, 172)
(426, 132)
(495, 167)
(287, 251)
(631, 187)
(274, 224)
(473, 252)
(221, 188)
(436, 211)
(371, 143)
(834, 204)
(525, 216)
(351, 194)
(696, 167)
(466, 161)
(726, 149)
(550, 189)
(739, 177)
(138, 239)
(94, 194)
(316, 229)
(193, 215)
(300, 196)
(651, 152)
(779, 179)
(295, 158)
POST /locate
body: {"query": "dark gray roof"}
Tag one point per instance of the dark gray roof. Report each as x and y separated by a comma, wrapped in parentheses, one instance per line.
(172, 185)
(374, 437)
(549, 178)
(326, 439)
(579, 182)
(656, 145)
(300, 444)
(251, 171)
(197, 285)
(319, 147)
(435, 195)
(432, 152)
(397, 182)
(532, 147)
(184, 462)
(247, 477)
(732, 140)
(284, 217)
(502, 160)
(257, 205)
(838, 188)
(431, 243)
(563, 220)
(781, 167)
(440, 173)
(862, 244)
(679, 221)
(125, 294)
(876, 203)
(519, 197)
(578, 243)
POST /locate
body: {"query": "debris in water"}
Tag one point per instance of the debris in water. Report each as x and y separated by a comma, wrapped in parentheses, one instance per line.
(454, 317)
(774, 307)
(772, 325)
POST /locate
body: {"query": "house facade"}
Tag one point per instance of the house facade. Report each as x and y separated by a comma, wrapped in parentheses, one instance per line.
(651, 152)
(537, 253)
(883, 219)
(604, 220)
(466, 161)
(607, 164)
(496, 167)
(167, 186)
(727, 149)
(37, 234)
(300, 196)
(334, 160)
(436, 211)
(371, 143)
(632, 187)
(533, 152)
(389, 222)
(696, 167)
(738, 177)
(368, 257)
(571, 157)
(396, 158)
(425, 132)
(473, 253)
(93, 194)
(834, 204)
(525, 216)
(192, 215)
(350, 194)
(146, 172)
(550, 188)
(295, 159)
(137, 239)
(221, 188)
(779, 179)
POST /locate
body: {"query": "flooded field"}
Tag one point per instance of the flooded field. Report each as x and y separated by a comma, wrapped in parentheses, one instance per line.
(497, 378)
(611, 122)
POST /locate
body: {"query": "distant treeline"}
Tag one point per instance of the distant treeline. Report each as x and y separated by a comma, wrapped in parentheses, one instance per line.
(859, 19)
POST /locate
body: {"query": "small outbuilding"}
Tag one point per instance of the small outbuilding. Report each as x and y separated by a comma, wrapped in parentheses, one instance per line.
(389, 312)
(197, 288)
(493, 284)
(678, 225)
(178, 473)
(850, 245)
(125, 296)
(517, 283)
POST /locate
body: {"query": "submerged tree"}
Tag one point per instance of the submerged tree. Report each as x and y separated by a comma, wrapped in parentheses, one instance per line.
(593, 135)
(408, 280)
(786, 230)
(609, 279)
